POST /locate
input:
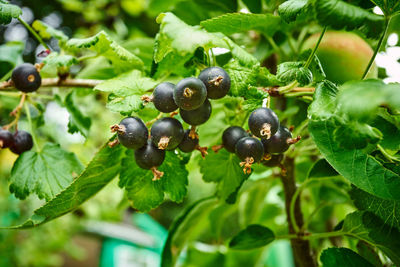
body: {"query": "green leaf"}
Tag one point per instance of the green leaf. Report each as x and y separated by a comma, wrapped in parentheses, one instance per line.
(186, 227)
(47, 32)
(145, 194)
(355, 165)
(371, 229)
(321, 169)
(386, 210)
(324, 104)
(389, 7)
(369, 253)
(57, 61)
(102, 44)
(8, 12)
(104, 166)
(231, 23)
(315, 66)
(355, 135)
(341, 15)
(254, 6)
(11, 52)
(293, 10)
(294, 71)
(45, 173)
(390, 130)
(126, 91)
(77, 121)
(173, 49)
(223, 168)
(344, 257)
(254, 236)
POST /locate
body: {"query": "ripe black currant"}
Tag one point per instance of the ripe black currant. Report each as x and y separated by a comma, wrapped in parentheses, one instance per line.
(132, 132)
(149, 156)
(231, 136)
(263, 123)
(217, 82)
(163, 97)
(190, 93)
(275, 160)
(279, 142)
(6, 139)
(167, 133)
(250, 150)
(197, 116)
(189, 143)
(26, 78)
(22, 142)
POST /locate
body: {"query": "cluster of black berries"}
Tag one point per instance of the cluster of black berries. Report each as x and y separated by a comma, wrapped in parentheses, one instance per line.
(274, 140)
(18, 142)
(26, 78)
(191, 96)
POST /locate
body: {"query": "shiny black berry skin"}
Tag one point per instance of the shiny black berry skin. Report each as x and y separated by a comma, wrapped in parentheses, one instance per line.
(26, 78)
(217, 82)
(22, 142)
(149, 156)
(231, 136)
(169, 128)
(188, 144)
(133, 133)
(274, 161)
(190, 93)
(197, 116)
(163, 97)
(6, 139)
(249, 147)
(263, 122)
(278, 142)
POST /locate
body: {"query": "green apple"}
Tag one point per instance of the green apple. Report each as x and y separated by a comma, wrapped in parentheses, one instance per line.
(344, 55)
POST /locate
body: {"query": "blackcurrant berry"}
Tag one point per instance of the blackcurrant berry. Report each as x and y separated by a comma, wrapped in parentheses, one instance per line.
(167, 133)
(197, 116)
(263, 123)
(189, 143)
(163, 97)
(132, 132)
(149, 156)
(6, 139)
(190, 93)
(275, 160)
(217, 82)
(26, 78)
(22, 142)
(250, 150)
(279, 142)
(231, 136)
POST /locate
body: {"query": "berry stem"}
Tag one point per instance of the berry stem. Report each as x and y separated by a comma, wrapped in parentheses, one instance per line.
(17, 113)
(310, 58)
(154, 120)
(28, 116)
(56, 82)
(32, 31)
(378, 47)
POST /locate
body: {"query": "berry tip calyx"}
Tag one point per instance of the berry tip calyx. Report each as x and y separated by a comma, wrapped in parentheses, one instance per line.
(203, 150)
(118, 128)
(266, 130)
(163, 143)
(113, 143)
(157, 174)
(217, 80)
(291, 141)
(217, 148)
(247, 165)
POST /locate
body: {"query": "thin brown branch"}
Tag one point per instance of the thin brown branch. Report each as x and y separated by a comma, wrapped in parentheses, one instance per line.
(56, 82)
(274, 90)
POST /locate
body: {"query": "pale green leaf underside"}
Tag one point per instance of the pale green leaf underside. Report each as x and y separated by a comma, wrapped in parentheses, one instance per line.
(8, 12)
(47, 32)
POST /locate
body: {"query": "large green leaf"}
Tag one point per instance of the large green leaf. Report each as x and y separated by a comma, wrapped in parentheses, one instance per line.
(177, 42)
(341, 15)
(240, 22)
(389, 7)
(56, 60)
(344, 257)
(78, 122)
(45, 173)
(186, 227)
(47, 32)
(8, 12)
(368, 227)
(254, 236)
(146, 194)
(294, 71)
(293, 10)
(99, 172)
(223, 168)
(386, 210)
(102, 44)
(126, 91)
